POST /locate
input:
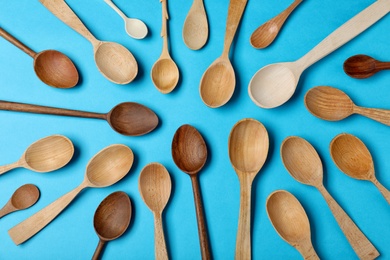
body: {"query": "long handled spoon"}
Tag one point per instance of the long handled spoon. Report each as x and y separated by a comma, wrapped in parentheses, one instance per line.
(218, 81)
(45, 155)
(111, 219)
(196, 27)
(304, 165)
(273, 85)
(333, 104)
(113, 60)
(23, 198)
(52, 67)
(353, 158)
(263, 36)
(155, 187)
(363, 66)
(248, 149)
(126, 118)
(189, 152)
(291, 223)
(105, 169)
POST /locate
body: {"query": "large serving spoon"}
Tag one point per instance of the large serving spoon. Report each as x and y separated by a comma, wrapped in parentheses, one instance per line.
(353, 158)
(45, 155)
(264, 35)
(304, 165)
(196, 27)
(111, 219)
(23, 198)
(126, 118)
(273, 85)
(52, 67)
(165, 74)
(248, 149)
(134, 27)
(113, 60)
(218, 81)
(155, 187)
(363, 66)
(333, 104)
(291, 223)
(106, 168)
(189, 152)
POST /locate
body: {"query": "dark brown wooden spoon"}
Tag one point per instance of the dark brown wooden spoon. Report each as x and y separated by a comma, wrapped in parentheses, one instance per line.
(363, 66)
(23, 198)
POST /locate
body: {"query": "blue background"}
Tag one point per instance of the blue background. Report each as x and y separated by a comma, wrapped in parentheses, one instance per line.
(71, 234)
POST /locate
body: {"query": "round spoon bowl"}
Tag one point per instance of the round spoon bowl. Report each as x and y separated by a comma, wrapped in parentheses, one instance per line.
(136, 28)
(263, 36)
(360, 66)
(165, 75)
(195, 29)
(25, 196)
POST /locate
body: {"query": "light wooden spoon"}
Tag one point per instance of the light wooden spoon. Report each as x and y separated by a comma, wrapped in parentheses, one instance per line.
(106, 168)
(196, 27)
(353, 158)
(23, 198)
(248, 149)
(304, 165)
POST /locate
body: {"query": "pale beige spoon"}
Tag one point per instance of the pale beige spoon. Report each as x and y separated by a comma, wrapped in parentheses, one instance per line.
(23, 198)
(353, 158)
(196, 27)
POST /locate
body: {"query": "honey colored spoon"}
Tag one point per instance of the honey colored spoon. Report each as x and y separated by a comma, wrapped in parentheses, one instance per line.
(196, 27)
(106, 168)
(52, 67)
(304, 165)
(363, 66)
(353, 158)
(332, 104)
(113, 60)
(291, 223)
(23, 198)
(155, 187)
(189, 152)
(45, 155)
(248, 149)
(263, 36)
(111, 219)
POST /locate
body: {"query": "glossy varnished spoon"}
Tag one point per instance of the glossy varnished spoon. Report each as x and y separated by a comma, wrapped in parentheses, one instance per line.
(353, 158)
(248, 149)
(196, 27)
(155, 187)
(23, 198)
(106, 168)
(304, 165)
(363, 66)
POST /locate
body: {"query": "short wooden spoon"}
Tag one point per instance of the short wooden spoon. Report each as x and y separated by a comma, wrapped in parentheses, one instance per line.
(363, 66)
(353, 158)
(23, 198)
(196, 27)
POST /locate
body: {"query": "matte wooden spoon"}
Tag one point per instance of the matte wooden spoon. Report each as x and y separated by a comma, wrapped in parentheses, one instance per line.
(263, 36)
(363, 66)
(291, 223)
(45, 155)
(196, 27)
(113, 60)
(52, 67)
(189, 152)
(105, 169)
(304, 165)
(353, 158)
(23, 198)
(111, 219)
(218, 81)
(274, 85)
(126, 118)
(248, 149)
(332, 104)
(155, 187)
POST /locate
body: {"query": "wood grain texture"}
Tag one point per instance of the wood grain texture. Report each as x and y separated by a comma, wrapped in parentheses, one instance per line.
(363, 66)
(17, 43)
(196, 27)
(24, 197)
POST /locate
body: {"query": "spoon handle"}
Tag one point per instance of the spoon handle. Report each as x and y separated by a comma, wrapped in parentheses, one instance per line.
(8, 208)
(98, 250)
(8, 167)
(164, 29)
(17, 43)
(116, 9)
(385, 192)
(160, 245)
(307, 250)
(380, 115)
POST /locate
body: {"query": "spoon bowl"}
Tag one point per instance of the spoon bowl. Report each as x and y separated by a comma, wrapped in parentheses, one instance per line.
(196, 28)
(23, 198)
(363, 66)
(165, 75)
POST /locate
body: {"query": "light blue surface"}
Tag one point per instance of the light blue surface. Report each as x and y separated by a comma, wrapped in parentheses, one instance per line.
(71, 235)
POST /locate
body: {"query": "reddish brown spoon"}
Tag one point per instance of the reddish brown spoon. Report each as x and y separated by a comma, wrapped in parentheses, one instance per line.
(23, 198)
(363, 66)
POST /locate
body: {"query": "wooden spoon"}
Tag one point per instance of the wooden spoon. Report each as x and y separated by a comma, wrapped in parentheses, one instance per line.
(23, 198)
(290, 221)
(353, 158)
(196, 27)
(111, 219)
(332, 104)
(274, 85)
(155, 187)
(52, 67)
(263, 36)
(304, 165)
(248, 149)
(218, 82)
(189, 152)
(363, 66)
(45, 155)
(113, 60)
(127, 118)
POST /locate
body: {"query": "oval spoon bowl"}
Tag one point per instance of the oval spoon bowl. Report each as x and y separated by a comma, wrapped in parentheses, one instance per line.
(165, 75)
